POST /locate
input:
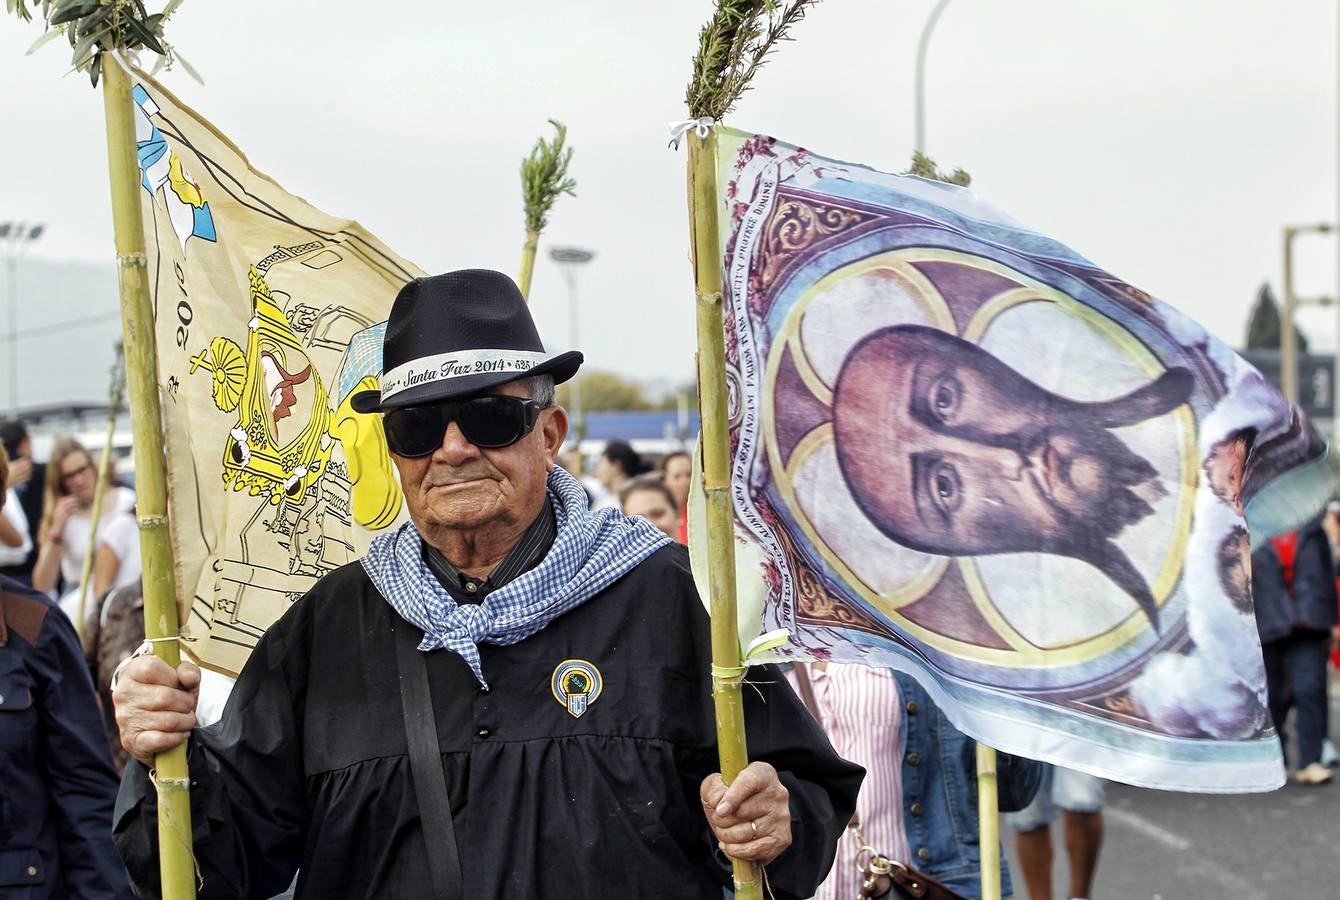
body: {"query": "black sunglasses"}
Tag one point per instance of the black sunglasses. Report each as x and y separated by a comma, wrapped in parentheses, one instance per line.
(491, 422)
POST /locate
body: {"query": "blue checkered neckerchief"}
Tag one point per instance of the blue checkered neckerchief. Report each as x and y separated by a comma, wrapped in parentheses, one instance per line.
(592, 550)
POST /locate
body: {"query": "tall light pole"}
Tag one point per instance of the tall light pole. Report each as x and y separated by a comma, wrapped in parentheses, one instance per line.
(568, 259)
(921, 72)
(16, 236)
(1288, 356)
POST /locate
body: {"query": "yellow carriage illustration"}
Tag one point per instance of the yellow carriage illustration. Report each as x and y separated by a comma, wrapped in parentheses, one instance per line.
(262, 457)
(286, 427)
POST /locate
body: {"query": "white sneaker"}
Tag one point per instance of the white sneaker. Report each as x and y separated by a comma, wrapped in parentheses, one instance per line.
(1329, 757)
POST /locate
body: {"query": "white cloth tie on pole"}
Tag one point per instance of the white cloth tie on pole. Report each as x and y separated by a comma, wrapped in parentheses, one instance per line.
(126, 59)
(701, 126)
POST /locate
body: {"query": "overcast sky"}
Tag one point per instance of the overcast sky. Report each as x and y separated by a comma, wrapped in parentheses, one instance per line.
(1166, 141)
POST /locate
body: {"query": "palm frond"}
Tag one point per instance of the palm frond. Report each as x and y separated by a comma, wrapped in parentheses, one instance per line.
(733, 46)
(544, 177)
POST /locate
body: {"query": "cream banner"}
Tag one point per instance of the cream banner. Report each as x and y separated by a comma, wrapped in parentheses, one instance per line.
(269, 314)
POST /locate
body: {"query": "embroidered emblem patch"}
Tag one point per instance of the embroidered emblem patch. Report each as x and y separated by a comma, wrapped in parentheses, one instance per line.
(576, 684)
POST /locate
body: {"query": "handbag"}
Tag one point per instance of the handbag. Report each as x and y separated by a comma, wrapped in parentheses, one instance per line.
(907, 883)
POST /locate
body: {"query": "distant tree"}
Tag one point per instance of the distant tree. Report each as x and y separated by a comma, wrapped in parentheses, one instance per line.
(605, 392)
(671, 400)
(1263, 326)
(925, 167)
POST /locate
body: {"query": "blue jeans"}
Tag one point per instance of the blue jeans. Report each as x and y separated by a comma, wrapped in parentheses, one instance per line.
(1296, 677)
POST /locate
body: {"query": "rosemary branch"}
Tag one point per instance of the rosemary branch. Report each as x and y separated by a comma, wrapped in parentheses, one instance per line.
(544, 177)
(733, 46)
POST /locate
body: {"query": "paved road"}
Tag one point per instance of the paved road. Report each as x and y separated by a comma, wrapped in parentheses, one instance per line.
(1159, 846)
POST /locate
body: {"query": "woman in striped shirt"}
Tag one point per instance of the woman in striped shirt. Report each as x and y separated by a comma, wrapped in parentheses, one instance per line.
(918, 803)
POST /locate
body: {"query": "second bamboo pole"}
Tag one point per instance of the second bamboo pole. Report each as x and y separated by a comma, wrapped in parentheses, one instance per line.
(100, 491)
(716, 478)
(160, 602)
(988, 818)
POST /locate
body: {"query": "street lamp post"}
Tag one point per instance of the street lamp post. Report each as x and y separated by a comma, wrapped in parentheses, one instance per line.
(568, 259)
(1288, 355)
(921, 73)
(16, 236)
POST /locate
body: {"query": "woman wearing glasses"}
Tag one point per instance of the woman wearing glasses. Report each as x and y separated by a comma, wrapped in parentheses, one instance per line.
(67, 521)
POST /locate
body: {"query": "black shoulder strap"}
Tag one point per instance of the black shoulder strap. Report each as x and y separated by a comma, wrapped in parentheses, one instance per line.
(425, 762)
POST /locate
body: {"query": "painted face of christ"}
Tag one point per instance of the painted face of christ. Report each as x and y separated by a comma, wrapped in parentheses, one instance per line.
(949, 451)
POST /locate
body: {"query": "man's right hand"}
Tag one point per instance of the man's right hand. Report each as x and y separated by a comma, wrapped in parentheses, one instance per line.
(155, 705)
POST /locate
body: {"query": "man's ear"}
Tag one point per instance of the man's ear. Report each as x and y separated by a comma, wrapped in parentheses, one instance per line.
(554, 430)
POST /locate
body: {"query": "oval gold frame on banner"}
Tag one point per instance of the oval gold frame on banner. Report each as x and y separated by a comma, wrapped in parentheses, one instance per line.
(1022, 653)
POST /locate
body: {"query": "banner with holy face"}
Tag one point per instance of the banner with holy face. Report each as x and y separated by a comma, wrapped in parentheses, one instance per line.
(961, 450)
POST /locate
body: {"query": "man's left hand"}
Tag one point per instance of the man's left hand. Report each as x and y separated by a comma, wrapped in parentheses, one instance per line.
(751, 818)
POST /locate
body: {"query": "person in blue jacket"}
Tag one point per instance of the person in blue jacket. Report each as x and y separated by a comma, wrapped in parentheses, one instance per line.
(1294, 595)
(59, 785)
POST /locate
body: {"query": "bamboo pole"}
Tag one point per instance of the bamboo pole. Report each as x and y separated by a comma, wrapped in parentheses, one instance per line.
(527, 262)
(988, 817)
(716, 478)
(160, 604)
(104, 471)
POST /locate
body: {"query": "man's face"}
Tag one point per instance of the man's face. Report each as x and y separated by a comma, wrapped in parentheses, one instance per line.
(462, 487)
(653, 504)
(950, 451)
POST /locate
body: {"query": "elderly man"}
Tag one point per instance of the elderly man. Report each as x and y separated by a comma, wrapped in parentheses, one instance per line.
(508, 697)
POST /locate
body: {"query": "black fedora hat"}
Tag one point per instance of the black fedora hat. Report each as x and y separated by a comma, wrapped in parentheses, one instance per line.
(459, 334)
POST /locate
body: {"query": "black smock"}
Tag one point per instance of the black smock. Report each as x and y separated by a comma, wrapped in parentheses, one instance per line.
(308, 768)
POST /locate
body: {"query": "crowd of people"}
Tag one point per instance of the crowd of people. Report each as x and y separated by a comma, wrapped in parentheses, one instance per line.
(508, 565)
(623, 478)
